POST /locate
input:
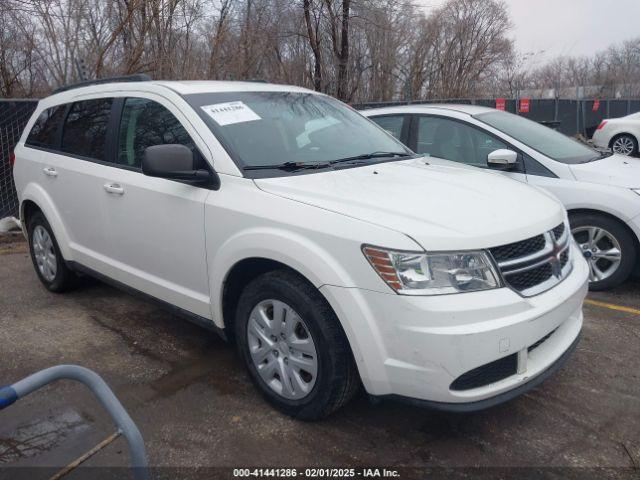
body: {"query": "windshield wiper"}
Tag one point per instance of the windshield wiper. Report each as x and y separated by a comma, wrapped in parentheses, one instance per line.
(369, 156)
(289, 166)
(294, 166)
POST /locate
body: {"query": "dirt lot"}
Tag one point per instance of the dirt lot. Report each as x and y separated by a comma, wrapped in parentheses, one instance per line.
(196, 407)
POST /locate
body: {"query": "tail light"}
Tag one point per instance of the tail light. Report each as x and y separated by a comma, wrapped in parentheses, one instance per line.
(12, 159)
(602, 124)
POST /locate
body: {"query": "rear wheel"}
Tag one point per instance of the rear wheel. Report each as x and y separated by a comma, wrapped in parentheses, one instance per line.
(46, 257)
(624, 145)
(294, 347)
(607, 246)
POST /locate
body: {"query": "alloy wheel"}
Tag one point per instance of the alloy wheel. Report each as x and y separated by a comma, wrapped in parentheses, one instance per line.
(44, 253)
(282, 349)
(601, 250)
(623, 145)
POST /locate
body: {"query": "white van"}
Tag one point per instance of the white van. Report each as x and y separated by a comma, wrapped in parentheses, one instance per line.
(332, 255)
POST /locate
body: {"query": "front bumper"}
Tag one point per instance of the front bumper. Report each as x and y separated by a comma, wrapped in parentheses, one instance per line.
(416, 347)
(491, 401)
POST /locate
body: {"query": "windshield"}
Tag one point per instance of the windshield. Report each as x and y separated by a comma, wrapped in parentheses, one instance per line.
(549, 142)
(276, 128)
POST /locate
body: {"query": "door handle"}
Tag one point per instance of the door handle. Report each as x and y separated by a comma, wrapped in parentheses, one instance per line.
(114, 188)
(50, 172)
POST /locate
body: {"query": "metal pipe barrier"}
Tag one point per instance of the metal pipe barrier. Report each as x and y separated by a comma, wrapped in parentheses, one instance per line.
(10, 394)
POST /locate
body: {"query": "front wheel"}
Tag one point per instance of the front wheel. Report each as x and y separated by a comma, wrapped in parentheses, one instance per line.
(294, 347)
(624, 145)
(608, 248)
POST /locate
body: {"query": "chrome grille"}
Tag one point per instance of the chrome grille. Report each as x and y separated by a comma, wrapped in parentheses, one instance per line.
(537, 264)
(558, 231)
(518, 249)
(531, 278)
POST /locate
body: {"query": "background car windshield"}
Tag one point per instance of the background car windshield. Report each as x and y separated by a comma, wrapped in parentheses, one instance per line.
(271, 128)
(543, 139)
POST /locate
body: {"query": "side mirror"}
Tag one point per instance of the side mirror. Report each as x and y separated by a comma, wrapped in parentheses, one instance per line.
(174, 162)
(502, 159)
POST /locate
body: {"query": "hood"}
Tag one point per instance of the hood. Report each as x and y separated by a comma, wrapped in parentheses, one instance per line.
(616, 170)
(441, 205)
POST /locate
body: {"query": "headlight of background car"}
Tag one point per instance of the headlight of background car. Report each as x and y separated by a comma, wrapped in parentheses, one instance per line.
(419, 273)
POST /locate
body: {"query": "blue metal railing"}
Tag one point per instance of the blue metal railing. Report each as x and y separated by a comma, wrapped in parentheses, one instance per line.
(10, 394)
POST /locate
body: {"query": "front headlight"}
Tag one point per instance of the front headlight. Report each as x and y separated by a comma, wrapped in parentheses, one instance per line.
(420, 273)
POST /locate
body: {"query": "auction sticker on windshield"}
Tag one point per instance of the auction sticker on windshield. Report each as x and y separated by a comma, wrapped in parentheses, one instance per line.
(230, 112)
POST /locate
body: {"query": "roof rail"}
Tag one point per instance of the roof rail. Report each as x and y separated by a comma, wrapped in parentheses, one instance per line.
(138, 77)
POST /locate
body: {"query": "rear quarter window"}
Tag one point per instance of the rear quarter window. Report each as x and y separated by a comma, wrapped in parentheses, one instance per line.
(44, 132)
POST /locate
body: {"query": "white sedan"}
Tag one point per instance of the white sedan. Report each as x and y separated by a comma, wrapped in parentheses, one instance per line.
(619, 134)
(601, 191)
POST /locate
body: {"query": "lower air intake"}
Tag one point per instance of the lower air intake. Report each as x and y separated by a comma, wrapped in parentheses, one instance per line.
(487, 374)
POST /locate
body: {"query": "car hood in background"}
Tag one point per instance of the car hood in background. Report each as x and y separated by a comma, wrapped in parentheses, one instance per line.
(616, 170)
(440, 204)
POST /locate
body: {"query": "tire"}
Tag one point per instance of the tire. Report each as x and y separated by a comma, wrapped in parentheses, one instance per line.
(56, 276)
(624, 144)
(613, 232)
(336, 379)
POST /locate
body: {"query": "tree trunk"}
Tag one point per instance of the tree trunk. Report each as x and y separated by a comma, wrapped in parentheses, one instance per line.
(343, 59)
(314, 43)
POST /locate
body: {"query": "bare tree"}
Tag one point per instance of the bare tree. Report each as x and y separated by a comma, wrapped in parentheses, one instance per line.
(313, 11)
(357, 50)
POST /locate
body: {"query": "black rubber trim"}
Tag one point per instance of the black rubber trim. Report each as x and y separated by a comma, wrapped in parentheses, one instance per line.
(488, 402)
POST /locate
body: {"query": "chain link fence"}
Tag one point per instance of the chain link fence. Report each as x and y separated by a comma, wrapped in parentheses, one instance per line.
(14, 115)
(570, 117)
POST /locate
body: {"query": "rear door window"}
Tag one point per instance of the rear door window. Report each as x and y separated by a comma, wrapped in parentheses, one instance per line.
(145, 123)
(85, 129)
(44, 132)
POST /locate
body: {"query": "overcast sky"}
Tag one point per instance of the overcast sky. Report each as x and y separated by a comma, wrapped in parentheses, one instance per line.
(568, 27)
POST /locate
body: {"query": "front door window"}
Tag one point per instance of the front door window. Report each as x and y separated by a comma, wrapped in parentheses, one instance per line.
(455, 141)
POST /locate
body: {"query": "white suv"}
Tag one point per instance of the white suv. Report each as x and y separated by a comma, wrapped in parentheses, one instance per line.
(294, 226)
